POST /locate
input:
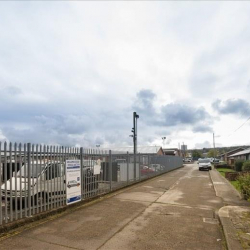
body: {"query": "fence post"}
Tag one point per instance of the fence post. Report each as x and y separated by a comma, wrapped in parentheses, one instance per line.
(81, 170)
(64, 158)
(135, 166)
(127, 167)
(139, 166)
(5, 181)
(1, 171)
(29, 177)
(11, 175)
(110, 169)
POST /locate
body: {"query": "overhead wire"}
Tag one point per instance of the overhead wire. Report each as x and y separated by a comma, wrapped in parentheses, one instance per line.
(240, 126)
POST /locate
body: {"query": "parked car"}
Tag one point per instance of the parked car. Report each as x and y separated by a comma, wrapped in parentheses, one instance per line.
(204, 164)
(147, 170)
(188, 160)
(214, 160)
(47, 182)
(156, 167)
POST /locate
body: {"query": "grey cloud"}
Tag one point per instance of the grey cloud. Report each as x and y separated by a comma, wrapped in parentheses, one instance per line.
(118, 137)
(205, 144)
(171, 115)
(144, 102)
(201, 84)
(99, 140)
(232, 106)
(62, 130)
(163, 132)
(175, 114)
(39, 135)
(61, 74)
(146, 94)
(70, 130)
(149, 139)
(70, 124)
(202, 129)
(12, 90)
(210, 75)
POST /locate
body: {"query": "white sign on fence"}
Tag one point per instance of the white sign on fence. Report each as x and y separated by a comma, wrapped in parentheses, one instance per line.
(97, 167)
(73, 181)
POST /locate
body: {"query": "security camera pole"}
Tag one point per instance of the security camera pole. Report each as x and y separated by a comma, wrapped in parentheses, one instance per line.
(134, 131)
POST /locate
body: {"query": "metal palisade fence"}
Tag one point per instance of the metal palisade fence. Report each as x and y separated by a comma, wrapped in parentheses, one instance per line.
(33, 177)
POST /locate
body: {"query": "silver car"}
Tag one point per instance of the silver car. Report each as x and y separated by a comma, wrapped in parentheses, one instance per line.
(204, 164)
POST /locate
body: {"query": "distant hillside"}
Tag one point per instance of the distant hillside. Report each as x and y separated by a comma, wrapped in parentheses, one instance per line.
(220, 149)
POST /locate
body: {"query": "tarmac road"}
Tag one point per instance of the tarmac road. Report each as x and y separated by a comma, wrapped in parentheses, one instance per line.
(177, 210)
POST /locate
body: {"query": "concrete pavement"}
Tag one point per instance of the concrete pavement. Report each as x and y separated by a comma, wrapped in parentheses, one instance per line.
(234, 215)
(226, 191)
(177, 210)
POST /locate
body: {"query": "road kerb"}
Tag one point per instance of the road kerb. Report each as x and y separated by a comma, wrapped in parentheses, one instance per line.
(229, 230)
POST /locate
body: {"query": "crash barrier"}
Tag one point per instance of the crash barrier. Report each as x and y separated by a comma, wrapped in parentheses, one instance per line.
(38, 178)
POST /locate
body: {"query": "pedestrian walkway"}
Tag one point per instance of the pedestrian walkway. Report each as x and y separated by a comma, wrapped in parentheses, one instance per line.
(176, 210)
(234, 215)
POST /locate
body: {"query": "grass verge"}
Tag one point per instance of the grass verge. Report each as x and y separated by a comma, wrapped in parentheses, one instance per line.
(222, 171)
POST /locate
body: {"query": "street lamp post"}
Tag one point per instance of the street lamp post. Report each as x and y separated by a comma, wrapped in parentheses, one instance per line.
(163, 140)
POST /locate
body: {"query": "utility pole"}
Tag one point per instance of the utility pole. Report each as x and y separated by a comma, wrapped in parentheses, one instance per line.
(214, 145)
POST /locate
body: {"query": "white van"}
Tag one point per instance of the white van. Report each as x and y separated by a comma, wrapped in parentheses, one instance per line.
(47, 183)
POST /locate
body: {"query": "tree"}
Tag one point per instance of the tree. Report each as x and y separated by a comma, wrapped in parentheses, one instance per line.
(212, 153)
(196, 154)
(246, 166)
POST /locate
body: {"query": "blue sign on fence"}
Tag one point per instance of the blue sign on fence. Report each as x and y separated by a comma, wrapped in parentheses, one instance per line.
(73, 181)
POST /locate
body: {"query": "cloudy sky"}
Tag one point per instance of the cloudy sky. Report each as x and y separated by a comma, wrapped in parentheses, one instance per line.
(72, 73)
